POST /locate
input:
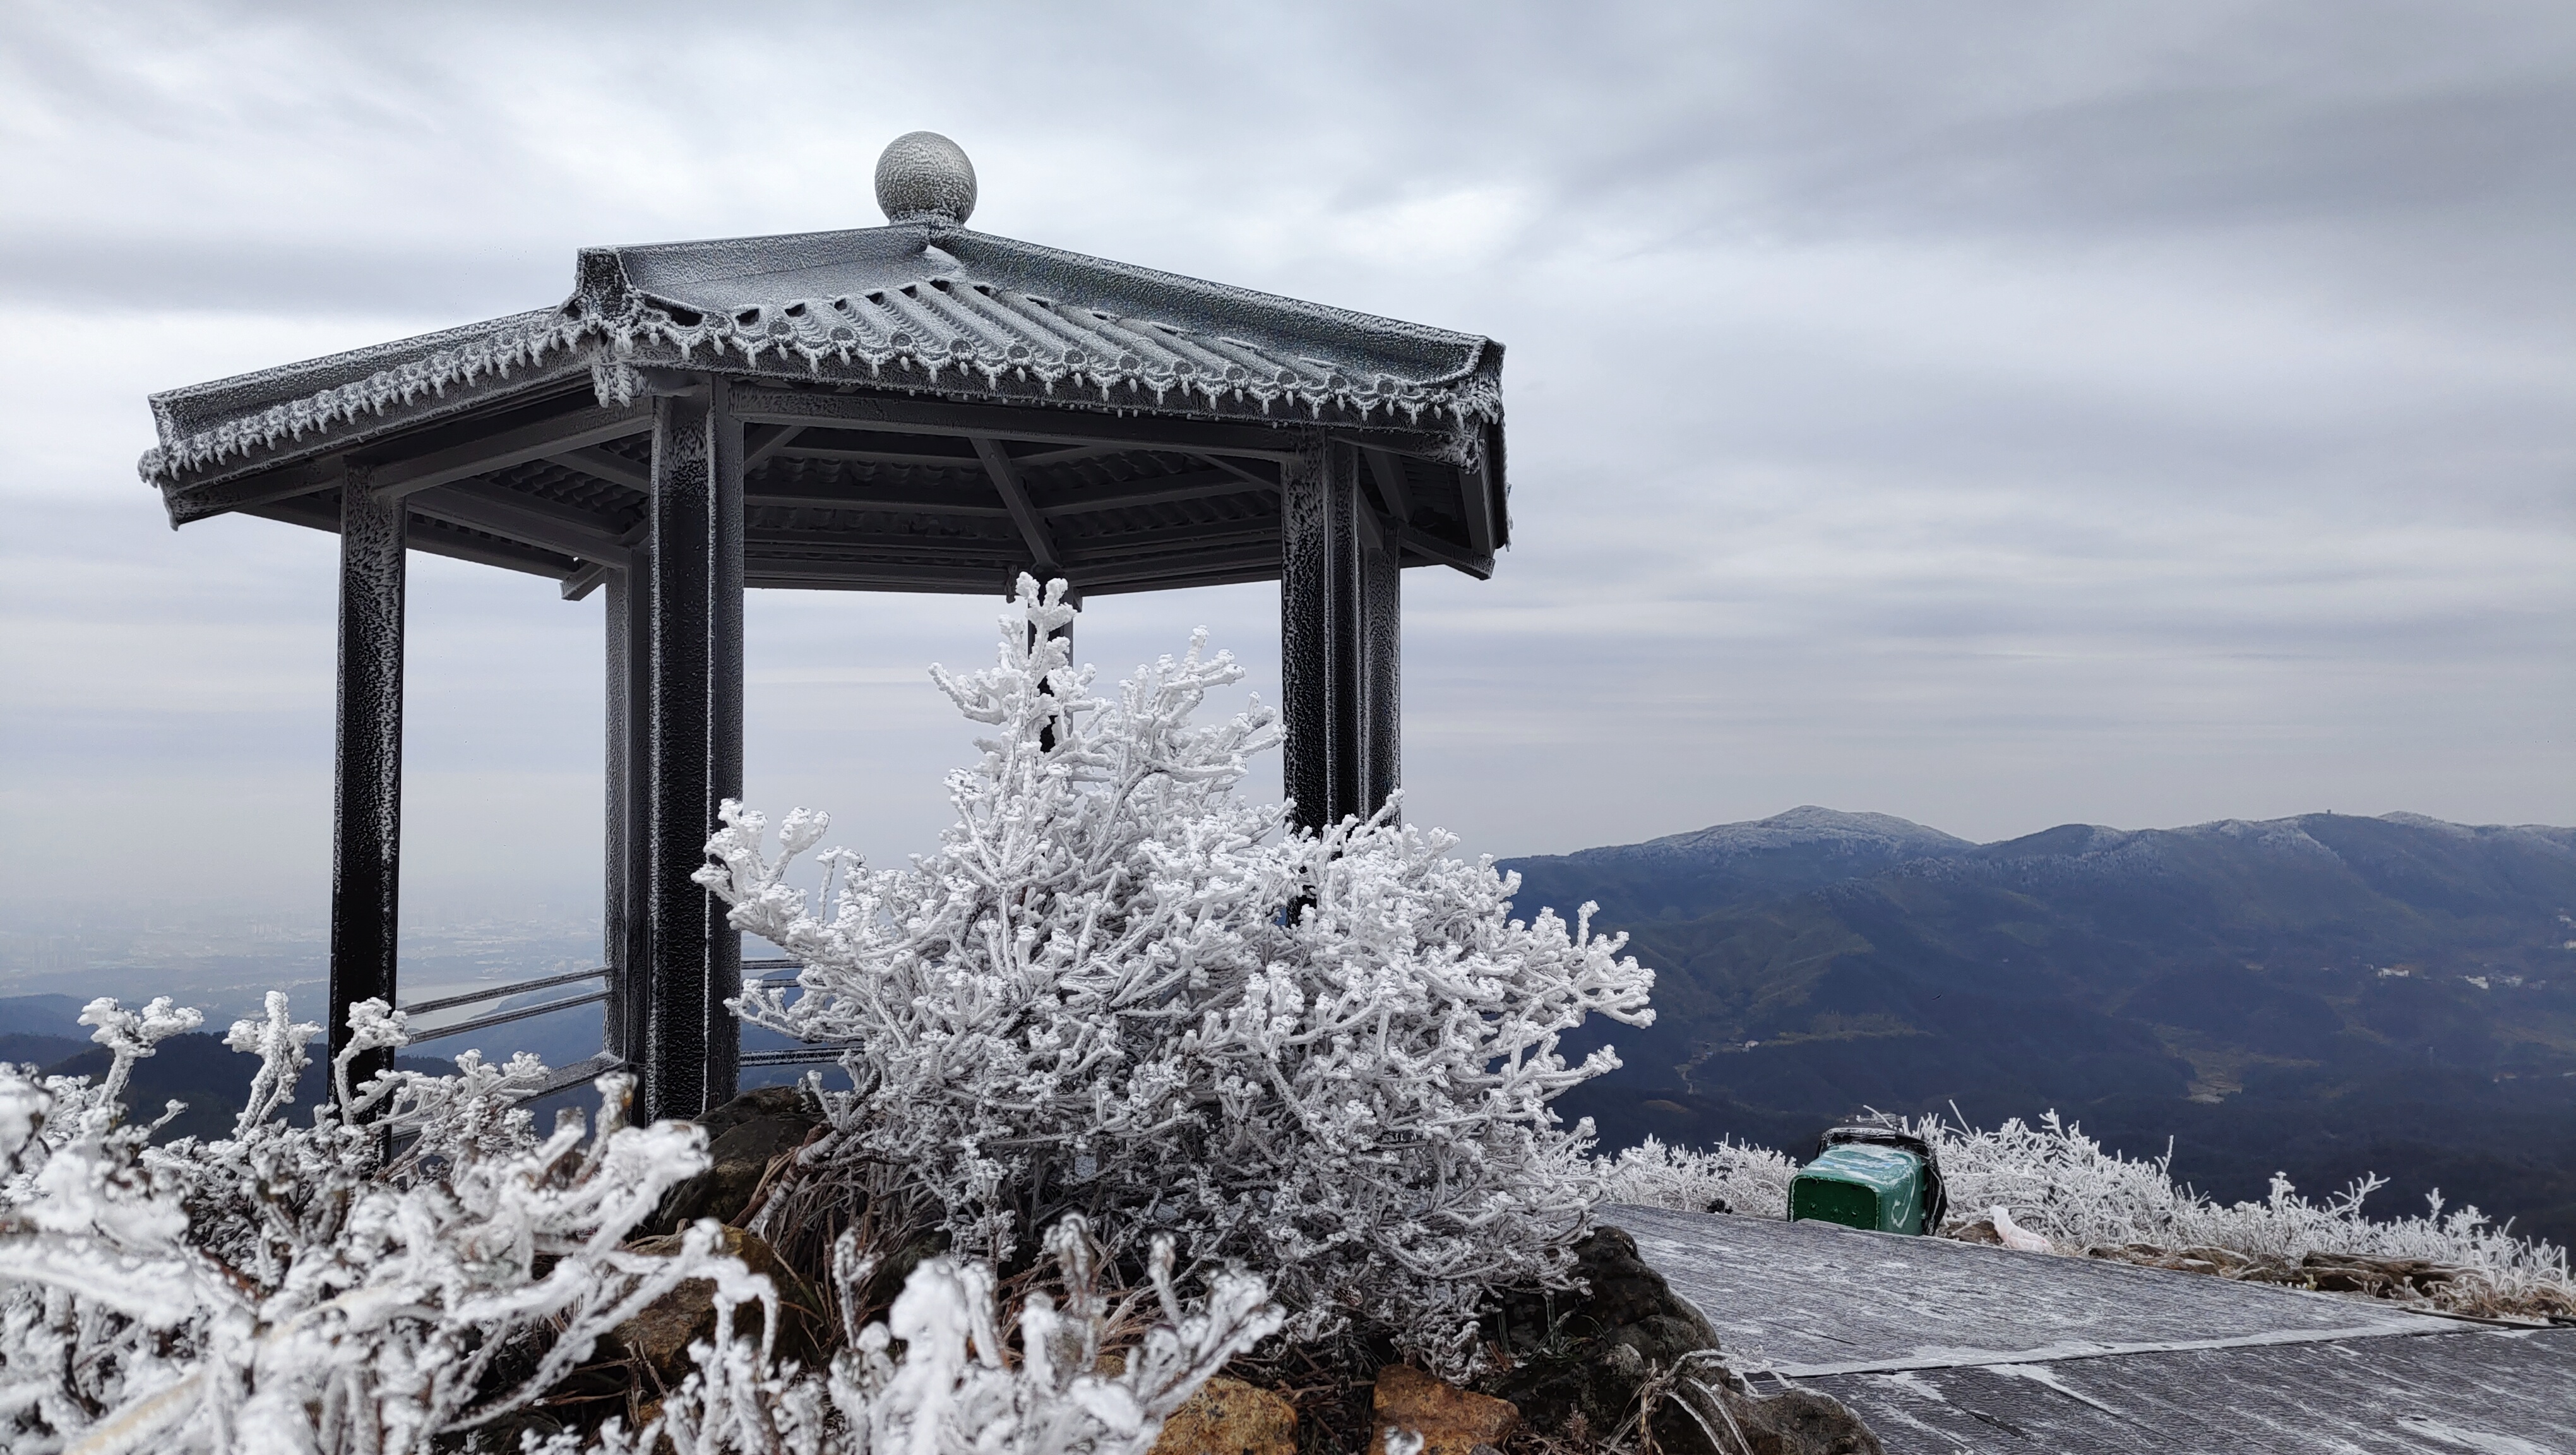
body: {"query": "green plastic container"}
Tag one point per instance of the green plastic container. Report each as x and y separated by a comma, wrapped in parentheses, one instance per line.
(1861, 1186)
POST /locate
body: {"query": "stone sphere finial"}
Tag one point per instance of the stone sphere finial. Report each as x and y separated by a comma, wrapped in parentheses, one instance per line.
(925, 177)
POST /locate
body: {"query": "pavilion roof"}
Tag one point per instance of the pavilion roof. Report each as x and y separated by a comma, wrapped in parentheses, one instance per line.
(929, 306)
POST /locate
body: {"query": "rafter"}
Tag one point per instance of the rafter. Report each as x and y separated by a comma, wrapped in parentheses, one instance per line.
(249, 492)
(1479, 564)
(839, 455)
(1006, 481)
(520, 524)
(761, 441)
(601, 464)
(1388, 472)
(1042, 425)
(918, 502)
(1153, 490)
(397, 478)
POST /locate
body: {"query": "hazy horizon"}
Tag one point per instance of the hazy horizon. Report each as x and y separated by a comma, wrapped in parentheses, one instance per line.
(1997, 418)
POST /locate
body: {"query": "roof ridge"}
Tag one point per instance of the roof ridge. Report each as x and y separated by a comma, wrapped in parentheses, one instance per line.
(859, 304)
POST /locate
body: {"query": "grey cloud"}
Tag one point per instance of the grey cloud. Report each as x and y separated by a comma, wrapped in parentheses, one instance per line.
(1995, 414)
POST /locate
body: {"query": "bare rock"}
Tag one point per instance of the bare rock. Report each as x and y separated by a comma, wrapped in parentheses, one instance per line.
(1229, 1417)
(1798, 1422)
(1450, 1420)
(1585, 1364)
(1978, 1229)
(745, 1138)
(659, 1337)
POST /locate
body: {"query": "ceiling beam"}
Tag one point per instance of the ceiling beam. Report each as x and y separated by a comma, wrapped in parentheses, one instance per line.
(917, 502)
(1388, 471)
(579, 429)
(248, 492)
(1072, 453)
(860, 545)
(1215, 568)
(811, 575)
(1006, 480)
(584, 581)
(1110, 495)
(508, 555)
(839, 455)
(1231, 468)
(761, 441)
(1130, 545)
(1063, 426)
(1479, 564)
(600, 464)
(516, 523)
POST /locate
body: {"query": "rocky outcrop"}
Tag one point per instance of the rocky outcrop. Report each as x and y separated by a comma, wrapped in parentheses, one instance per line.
(659, 1337)
(1230, 1417)
(1585, 1364)
(1449, 1420)
(746, 1137)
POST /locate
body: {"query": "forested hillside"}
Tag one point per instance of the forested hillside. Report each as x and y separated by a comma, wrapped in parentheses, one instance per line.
(2323, 995)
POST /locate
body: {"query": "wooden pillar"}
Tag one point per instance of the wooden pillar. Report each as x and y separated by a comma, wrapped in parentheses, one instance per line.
(366, 838)
(692, 1043)
(1382, 669)
(626, 946)
(1341, 605)
(1321, 631)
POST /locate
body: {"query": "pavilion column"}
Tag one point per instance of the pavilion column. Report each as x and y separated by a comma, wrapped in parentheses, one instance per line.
(1323, 632)
(692, 1043)
(627, 891)
(366, 839)
(1382, 668)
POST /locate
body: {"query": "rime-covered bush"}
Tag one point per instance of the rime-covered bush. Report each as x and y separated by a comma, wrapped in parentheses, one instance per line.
(1733, 1176)
(289, 1289)
(1119, 989)
(961, 1384)
(286, 1289)
(2064, 1186)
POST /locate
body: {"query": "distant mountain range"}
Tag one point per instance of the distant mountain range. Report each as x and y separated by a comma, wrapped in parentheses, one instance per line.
(2323, 995)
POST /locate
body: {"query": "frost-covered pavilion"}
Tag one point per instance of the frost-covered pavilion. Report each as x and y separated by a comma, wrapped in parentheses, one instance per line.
(914, 407)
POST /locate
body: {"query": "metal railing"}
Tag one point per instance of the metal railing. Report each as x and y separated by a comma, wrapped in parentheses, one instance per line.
(814, 1054)
(563, 1076)
(605, 1061)
(503, 992)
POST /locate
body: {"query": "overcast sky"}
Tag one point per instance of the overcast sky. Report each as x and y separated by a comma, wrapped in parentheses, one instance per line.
(1993, 414)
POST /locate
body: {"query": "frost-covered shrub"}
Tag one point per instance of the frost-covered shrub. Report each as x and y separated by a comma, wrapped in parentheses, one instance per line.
(961, 1384)
(282, 1289)
(1732, 1176)
(1118, 989)
(2064, 1186)
(286, 1288)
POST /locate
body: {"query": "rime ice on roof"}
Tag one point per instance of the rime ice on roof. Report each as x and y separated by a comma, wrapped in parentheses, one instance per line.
(922, 303)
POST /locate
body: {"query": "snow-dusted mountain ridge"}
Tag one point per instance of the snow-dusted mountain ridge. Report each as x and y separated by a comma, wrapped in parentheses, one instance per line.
(2326, 994)
(1809, 847)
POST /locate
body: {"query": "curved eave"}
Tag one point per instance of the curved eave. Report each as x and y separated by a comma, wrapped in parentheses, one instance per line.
(850, 331)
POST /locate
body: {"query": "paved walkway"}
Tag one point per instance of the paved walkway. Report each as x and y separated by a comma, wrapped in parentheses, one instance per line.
(1946, 1347)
